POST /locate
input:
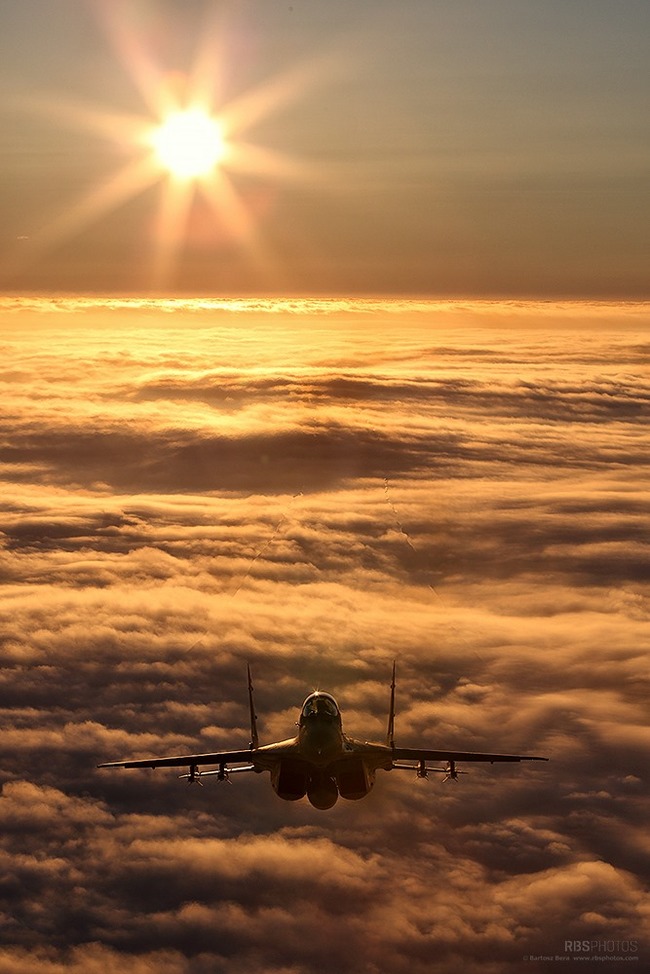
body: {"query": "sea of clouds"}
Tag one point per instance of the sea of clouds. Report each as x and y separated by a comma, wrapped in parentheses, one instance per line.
(318, 488)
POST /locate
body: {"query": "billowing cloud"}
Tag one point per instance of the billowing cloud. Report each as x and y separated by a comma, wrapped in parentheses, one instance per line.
(319, 488)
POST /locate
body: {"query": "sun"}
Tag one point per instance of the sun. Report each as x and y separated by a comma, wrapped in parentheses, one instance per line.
(189, 144)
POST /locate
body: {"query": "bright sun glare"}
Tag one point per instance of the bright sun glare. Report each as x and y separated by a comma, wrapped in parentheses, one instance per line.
(181, 139)
(189, 144)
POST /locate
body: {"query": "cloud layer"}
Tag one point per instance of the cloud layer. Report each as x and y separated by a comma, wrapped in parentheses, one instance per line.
(318, 488)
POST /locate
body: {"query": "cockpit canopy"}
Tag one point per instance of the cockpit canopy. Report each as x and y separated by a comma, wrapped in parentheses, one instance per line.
(320, 705)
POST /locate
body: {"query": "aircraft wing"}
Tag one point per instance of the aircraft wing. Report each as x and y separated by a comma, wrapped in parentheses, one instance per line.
(263, 758)
(418, 754)
(188, 760)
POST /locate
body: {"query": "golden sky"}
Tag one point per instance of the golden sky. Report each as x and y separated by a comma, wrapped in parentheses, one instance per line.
(319, 487)
(275, 464)
(432, 148)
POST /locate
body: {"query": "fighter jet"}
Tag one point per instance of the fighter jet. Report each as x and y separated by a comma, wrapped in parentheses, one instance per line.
(321, 761)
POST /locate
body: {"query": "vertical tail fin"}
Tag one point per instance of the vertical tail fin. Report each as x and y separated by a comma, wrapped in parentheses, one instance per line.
(390, 733)
(251, 705)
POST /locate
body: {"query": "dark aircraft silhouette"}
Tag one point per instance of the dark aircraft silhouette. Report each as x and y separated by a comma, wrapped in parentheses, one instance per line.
(321, 761)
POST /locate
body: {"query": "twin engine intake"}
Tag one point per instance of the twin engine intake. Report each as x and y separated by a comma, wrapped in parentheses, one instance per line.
(295, 779)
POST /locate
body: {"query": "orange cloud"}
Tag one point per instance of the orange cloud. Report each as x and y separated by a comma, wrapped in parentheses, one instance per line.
(318, 490)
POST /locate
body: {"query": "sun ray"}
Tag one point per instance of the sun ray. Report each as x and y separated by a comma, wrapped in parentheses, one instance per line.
(191, 143)
(125, 128)
(228, 206)
(152, 83)
(251, 158)
(237, 219)
(130, 181)
(207, 70)
(175, 205)
(275, 94)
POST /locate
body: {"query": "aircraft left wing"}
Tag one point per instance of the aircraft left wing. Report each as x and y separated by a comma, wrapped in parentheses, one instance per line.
(263, 758)
(188, 760)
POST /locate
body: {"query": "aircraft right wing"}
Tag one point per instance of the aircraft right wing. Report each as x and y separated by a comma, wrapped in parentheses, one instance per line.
(422, 756)
(419, 754)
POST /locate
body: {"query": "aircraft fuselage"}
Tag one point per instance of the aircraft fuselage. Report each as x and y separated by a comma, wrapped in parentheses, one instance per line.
(321, 766)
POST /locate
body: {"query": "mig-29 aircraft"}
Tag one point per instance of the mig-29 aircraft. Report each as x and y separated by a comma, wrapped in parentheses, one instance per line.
(321, 761)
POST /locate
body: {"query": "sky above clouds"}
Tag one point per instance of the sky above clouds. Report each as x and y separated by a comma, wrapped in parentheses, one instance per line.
(319, 488)
(373, 386)
(431, 148)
